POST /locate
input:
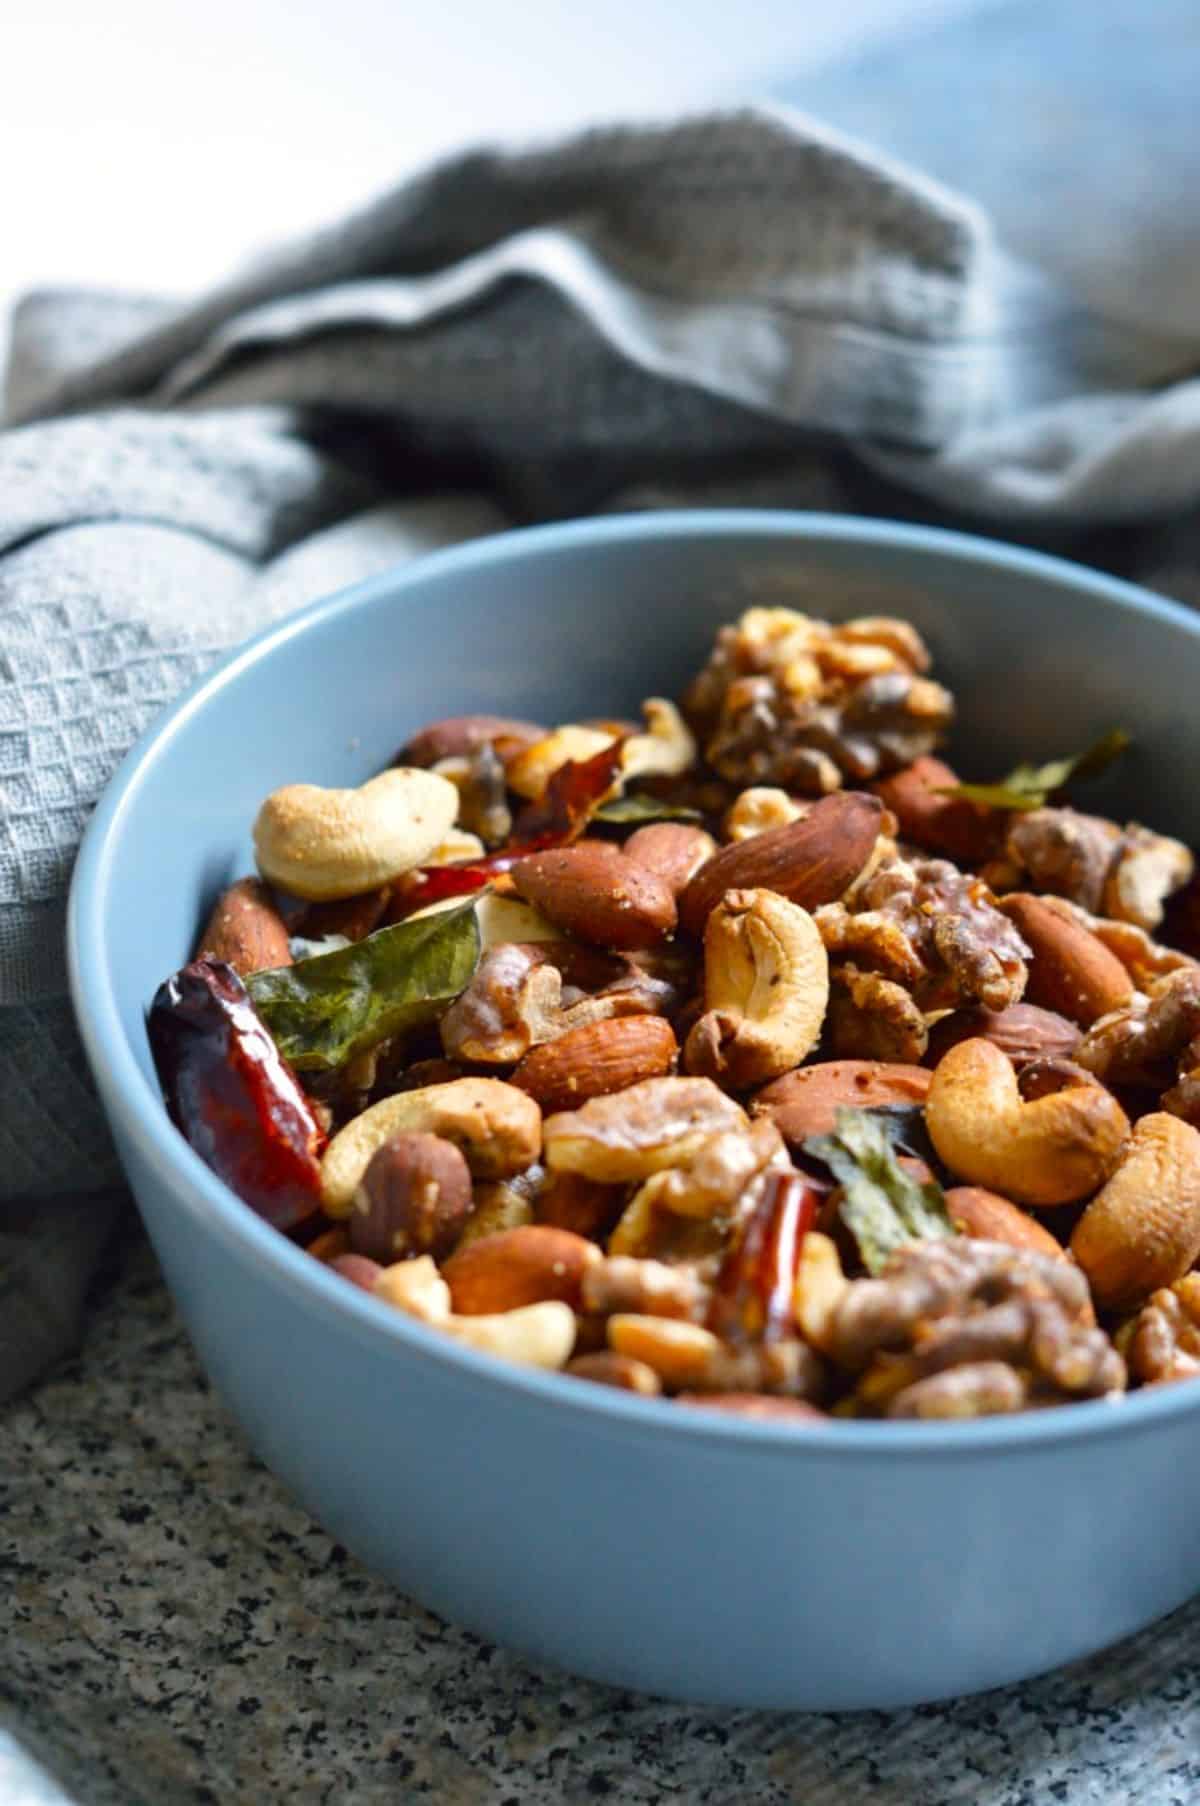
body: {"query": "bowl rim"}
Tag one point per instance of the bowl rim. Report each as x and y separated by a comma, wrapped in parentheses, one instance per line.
(137, 1110)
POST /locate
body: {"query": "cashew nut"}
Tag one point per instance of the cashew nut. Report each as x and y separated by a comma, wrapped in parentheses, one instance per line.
(766, 987)
(755, 810)
(665, 750)
(497, 1127)
(1143, 1230)
(1052, 1150)
(537, 1335)
(456, 846)
(417, 1287)
(323, 844)
(633, 1133)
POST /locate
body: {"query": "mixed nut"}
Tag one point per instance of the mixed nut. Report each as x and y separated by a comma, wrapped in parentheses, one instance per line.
(742, 1055)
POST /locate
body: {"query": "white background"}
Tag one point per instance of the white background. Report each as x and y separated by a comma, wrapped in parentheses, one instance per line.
(149, 144)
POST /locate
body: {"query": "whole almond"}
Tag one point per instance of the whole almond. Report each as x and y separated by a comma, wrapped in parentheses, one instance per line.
(674, 849)
(516, 1267)
(596, 1059)
(459, 735)
(593, 890)
(1071, 971)
(985, 1216)
(806, 1102)
(1023, 1031)
(950, 825)
(246, 930)
(810, 862)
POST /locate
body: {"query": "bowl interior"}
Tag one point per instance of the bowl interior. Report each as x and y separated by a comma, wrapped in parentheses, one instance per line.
(586, 620)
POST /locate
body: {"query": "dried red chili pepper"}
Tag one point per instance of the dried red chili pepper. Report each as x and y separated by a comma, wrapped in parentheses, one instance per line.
(752, 1297)
(564, 809)
(231, 1094)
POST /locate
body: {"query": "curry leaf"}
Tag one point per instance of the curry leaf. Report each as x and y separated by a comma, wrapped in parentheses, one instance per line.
(883, 1206)
(641, 808)
(325, 1010)
(1031, 786)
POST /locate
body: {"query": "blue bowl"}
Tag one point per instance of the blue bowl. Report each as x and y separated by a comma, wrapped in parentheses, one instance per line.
(743, 1563)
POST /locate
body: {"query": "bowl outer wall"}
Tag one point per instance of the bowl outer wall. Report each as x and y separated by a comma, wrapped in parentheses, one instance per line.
(632, 1541)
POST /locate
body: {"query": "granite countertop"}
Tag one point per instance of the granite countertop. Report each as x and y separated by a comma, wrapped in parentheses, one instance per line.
(182, 1632)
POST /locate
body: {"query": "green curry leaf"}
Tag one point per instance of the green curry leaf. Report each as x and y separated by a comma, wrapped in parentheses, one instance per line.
(883, 1206)
(1031, 786)
(324, 1010)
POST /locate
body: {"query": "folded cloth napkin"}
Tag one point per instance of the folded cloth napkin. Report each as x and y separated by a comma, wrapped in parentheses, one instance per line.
(740, 308)
(712, 310)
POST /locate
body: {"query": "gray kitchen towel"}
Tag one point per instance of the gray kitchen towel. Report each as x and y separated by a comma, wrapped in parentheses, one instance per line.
(748, 308)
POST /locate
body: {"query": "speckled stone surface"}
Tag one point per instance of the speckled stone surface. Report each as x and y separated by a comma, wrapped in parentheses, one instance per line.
(180, 1632)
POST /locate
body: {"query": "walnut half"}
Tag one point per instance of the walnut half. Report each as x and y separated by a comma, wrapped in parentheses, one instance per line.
(971, 1308)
